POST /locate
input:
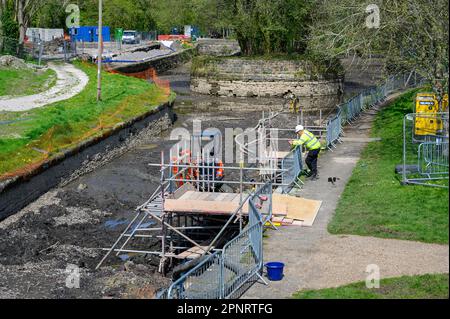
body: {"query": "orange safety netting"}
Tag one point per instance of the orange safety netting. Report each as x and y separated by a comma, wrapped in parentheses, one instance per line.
(149, 75)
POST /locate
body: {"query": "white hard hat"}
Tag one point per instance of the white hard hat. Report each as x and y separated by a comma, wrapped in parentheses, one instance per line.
(299, 128)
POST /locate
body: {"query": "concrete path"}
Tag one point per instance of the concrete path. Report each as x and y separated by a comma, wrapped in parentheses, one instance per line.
(315, 259)
(70, 82)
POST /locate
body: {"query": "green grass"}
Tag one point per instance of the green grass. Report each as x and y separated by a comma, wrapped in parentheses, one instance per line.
(25, 81)
(31, 137)
(407, 287)
(375, 204)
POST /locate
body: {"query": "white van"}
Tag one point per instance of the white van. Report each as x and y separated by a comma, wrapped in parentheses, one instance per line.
(130, 37)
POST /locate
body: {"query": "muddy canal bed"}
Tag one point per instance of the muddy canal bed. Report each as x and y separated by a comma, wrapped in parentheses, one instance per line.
(70, 225)
(60, 238)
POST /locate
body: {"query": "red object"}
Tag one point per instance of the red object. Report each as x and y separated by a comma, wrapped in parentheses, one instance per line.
(170, 37)
(263, 198)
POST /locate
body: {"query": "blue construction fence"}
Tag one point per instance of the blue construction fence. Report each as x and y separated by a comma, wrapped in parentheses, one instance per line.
(89, 34)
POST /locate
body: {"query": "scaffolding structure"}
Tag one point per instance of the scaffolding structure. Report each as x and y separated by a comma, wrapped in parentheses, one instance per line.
(199, 222)
(188, 214)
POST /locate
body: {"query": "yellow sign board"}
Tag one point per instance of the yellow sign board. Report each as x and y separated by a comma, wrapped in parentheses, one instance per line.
(427, 104)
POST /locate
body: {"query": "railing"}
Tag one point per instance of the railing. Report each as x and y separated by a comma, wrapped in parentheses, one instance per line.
(425, 149)
(38, 50)
(349, 111)
(222, 274)
(291, 166)
(433, 158)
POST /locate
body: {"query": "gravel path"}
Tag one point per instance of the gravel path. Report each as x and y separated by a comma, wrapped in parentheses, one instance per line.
(316, 259)
(70, 82)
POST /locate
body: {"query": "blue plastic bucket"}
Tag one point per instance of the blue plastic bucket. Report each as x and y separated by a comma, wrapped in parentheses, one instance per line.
(275, 270)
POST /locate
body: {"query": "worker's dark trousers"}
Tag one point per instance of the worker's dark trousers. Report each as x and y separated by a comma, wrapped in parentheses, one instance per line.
(311, 161)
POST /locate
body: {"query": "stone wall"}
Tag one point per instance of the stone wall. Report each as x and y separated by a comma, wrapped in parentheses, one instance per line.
(218, 47)
(206, 103)
(263, 78)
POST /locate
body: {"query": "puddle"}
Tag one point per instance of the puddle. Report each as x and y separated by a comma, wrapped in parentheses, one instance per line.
(143, 225)
(113, 223)
(124, 257)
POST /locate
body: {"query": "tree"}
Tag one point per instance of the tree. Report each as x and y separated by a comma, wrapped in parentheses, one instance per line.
(412, 34)
(271, 26)
(51, 14)
(25, 11)
(9, 29)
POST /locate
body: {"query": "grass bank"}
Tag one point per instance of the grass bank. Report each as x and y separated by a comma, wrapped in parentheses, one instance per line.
(375, 204)
(19, 82)
(407, 287)
(31, 137)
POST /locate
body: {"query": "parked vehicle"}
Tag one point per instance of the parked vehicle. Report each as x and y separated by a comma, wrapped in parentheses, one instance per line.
(130, 37)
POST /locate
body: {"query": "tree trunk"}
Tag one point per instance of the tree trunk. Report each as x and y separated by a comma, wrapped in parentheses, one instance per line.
(2, 10)
(21, 20)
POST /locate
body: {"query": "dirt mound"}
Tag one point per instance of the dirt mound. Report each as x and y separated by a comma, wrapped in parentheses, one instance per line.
(12, 62)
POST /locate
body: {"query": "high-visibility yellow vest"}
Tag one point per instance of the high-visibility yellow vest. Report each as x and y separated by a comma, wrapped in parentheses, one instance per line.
(308, 140)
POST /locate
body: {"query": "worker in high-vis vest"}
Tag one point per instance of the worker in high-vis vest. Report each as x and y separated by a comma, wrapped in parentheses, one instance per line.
(312, 145)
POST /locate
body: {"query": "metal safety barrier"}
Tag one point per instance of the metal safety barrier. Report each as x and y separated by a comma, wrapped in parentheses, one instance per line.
(291, 166)
(433, 158)
(350, 110)
(425, 149)
(223, 274)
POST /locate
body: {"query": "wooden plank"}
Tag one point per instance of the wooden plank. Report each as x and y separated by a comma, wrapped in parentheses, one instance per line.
(300, 209)
(232, 197)
(192, 253)
(212, 196)
(202, 206)
(279, 208)
(220, 197)
(281, 214)
(194, 195)
(277, 219)
(185, 188)
(187, 195)
(203, 196)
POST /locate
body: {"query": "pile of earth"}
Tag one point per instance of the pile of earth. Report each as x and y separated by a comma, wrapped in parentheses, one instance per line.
(9, 61)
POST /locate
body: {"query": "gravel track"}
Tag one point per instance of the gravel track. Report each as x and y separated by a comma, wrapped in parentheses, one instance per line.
(70, 82)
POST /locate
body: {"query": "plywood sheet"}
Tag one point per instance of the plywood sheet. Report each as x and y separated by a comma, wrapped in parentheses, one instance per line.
(297, 208)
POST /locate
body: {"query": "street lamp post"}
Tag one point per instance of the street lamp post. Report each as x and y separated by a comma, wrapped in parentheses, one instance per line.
(100, 53)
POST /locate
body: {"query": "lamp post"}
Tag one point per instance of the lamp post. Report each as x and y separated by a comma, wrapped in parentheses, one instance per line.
(100, 53)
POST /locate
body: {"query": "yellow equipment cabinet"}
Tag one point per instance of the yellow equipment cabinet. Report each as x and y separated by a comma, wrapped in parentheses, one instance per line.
(429, 123)
(445, 103)
(426, 103)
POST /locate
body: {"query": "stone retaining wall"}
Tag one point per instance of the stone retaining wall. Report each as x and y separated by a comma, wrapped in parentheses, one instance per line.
(218, 47)
(263, 78)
